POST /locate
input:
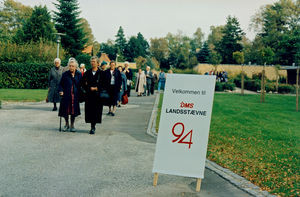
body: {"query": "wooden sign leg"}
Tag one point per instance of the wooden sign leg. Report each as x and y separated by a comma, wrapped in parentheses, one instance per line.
(198, 186)
(155, 179)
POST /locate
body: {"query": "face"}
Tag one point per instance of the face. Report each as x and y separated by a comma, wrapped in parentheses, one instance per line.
(120, 69)
(140, 70)
(147, 68)
(57, 64)
(126, 65)
(94, 63)
(112, 66)
(72, 67)
(103, 67)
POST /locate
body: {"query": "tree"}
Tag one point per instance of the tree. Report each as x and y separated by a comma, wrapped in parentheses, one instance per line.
(12, 15)
(140, 62)
(159, 49)
(87, 31)
(109, 48)
(215, 58)
(279, 22)
(67, 21)
(238, 57)
(267, 55)
(120, 41)
(215, 36)
(143, 44)
(38, 27)
(196, 41)
(132, 49)
(204, 54)
(230, 42)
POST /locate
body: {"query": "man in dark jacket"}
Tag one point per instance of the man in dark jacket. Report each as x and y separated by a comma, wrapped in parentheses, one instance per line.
(149, 78)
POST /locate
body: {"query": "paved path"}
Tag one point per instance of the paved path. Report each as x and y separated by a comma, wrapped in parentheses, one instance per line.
(37, 160)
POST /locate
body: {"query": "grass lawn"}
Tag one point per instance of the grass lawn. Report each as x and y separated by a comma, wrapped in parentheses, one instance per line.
(23, 94)
(257, 141)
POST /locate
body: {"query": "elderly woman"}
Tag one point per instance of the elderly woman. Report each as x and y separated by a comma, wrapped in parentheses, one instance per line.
(54, 77)
(123, 86)
(69, 89)
(140, 82)
(93, 82)
(114, 79)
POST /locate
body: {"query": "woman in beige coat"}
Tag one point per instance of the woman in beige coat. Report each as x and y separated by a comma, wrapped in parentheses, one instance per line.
(140, 82)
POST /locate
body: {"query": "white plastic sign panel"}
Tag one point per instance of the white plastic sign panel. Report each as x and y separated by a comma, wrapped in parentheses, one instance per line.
(184, 125)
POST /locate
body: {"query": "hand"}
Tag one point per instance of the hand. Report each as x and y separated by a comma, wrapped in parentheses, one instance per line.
(61, 93)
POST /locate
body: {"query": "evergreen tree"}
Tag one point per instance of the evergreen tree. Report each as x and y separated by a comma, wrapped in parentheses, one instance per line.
(132, 49)
(230, 42)
(204, 54)
(67, 21)
(144, 45)
(121, 41)
(38, 27)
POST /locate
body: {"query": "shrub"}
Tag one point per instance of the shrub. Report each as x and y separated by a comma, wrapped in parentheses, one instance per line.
(24, 75)
(224, 86)
(270, 87)
(285, 88)
(185, 71)
(31, 52)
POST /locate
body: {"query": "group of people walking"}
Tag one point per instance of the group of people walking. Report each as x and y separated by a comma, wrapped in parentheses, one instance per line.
(146, 80)
(96, 87)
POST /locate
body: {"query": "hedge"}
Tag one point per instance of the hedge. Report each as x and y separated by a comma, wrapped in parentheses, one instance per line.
(24, 75)
(221, 86)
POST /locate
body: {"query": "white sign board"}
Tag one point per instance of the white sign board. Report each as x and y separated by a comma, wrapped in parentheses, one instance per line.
(184, 125)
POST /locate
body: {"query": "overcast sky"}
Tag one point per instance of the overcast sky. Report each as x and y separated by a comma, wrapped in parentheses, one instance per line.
(155, 18)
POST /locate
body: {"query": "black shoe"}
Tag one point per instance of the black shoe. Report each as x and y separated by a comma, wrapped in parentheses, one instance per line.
(92, 131)
(112, 114)
(119, 105)
(54, 109)
(109, 113)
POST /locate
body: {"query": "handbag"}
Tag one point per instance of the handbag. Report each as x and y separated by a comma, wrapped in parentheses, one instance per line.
(104, 97)
(124, 99)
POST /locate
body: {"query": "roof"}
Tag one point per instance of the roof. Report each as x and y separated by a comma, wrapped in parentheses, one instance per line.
(131, 64)
(88, 49)
(104, 57)
(289, 67)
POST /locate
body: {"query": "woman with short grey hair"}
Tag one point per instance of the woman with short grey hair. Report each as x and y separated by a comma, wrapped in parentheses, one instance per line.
(54, 77)
(69, 89)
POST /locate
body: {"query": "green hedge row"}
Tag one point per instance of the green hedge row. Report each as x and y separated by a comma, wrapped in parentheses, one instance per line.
(221, 86)
(24, 75)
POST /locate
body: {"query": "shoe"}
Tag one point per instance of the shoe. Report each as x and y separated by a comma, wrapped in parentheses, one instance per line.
(112, 114)
(66, 127)
(92, 131)
(54, 109)
(109, 113)
(72, 129)
(119, 105)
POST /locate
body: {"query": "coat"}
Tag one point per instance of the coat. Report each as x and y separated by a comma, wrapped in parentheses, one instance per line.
(113, 90)
(53, 84)
(69, 85)
(93, 107)
(140, 82)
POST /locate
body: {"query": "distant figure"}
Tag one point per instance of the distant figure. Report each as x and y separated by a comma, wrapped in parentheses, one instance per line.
(161, 80)
(103, 65)
(154, 81)
(53, 83)
(140, 82)
(129, 75)
(82, 69)
(123, 86)
(69, 89)
(170, 71)
(149, 77)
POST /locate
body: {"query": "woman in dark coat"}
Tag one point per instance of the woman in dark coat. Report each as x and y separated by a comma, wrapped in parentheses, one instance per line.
(69, 89)
(92, 83)
(114, 80)
(53, 80)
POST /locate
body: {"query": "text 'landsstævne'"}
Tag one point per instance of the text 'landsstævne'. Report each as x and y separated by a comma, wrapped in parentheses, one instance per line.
(186, 112)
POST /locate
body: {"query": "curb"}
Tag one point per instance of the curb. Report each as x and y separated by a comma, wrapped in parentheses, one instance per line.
(238, 181)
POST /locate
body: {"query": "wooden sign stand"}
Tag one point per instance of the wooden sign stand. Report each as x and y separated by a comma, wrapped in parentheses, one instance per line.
(198, 185)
